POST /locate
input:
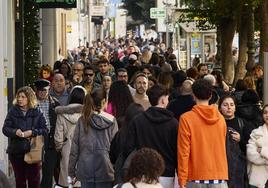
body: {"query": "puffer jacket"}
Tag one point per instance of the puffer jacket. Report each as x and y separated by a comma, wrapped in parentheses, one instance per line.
(89, 158)
(257, 162)
(67, 118)
(32, 120)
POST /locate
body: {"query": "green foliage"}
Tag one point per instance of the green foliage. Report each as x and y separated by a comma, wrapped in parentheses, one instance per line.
(139, 10)
(31, 42)
(211, 12)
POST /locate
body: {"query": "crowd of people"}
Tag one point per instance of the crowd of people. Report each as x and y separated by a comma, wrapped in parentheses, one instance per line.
(123, 114)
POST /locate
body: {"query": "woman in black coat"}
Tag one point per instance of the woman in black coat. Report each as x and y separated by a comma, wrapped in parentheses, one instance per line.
(23, 121)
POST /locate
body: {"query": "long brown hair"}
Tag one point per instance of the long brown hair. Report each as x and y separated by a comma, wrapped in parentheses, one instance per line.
(92, 103)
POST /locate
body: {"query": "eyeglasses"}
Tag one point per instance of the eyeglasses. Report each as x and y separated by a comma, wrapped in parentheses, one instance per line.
(77, 69)
(91, 74)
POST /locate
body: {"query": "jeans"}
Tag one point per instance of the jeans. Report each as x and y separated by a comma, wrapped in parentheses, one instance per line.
(96, 184)
(202, 185)
(25, 172)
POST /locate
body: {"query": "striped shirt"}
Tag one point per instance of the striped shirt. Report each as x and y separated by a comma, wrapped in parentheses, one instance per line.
(209, 181)
(44, 107)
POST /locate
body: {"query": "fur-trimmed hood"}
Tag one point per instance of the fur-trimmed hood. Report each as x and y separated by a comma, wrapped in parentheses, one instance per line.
(71, 112)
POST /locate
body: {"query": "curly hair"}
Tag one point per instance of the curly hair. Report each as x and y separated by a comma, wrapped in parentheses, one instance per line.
(147, 165)
(120, 98)
(28, 91)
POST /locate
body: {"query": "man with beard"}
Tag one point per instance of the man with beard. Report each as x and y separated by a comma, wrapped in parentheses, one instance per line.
(141, 86)
(89, 75)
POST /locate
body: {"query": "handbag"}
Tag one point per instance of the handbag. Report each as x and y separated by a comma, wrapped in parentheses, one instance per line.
(18, 146)
(35, 154)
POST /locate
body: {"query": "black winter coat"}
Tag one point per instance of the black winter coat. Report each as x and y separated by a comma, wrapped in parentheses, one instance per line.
(32, 120)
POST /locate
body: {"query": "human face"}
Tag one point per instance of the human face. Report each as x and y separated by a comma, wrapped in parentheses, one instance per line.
(150, 84)
(203, 70)
(22, 100)
(78, 70)
(147, 72)
(104, 68)
(42, 94)
(265, 115)
(107, 82)
(122, 76)
(132, 49)
(89, 75)
(64, 69)
(141, 85)
(45, 74)
(227, 108)
(258, 73)
(58, 83)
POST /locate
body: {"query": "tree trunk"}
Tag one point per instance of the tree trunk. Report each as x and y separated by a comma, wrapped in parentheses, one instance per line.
(240, 70)
(251, 41)
(227, 29)
(264, 30)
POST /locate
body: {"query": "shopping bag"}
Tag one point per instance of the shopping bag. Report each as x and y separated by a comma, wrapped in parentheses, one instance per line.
(35, 154)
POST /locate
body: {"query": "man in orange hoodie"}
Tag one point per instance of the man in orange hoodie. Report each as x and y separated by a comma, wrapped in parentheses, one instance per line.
(201, 143)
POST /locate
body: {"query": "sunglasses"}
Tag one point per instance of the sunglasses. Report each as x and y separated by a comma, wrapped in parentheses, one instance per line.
(89, 74)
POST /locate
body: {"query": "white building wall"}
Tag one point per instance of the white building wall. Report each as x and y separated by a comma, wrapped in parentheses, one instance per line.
(120, 23)
(7, 48)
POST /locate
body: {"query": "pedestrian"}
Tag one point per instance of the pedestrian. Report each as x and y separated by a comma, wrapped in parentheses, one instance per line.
(257, 154)
(119, 98)
(144, 171)
(202, 131)
(67, 118)
(141, 86)
(156, 128)
(47, 105)
(89, 160)
(24, 120)
(235, 143)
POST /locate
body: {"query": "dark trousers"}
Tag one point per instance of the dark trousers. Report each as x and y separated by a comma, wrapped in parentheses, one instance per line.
(50, 167)
(25, 173)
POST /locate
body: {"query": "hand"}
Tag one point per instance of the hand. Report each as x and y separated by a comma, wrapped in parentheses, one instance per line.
(235, 136)
(19, 133)
(28, 133)
(74, 180)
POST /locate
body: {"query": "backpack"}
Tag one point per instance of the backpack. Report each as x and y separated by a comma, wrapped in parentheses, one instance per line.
(121, 165)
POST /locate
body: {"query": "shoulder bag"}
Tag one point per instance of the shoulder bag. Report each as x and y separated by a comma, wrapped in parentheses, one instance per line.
(35, 154)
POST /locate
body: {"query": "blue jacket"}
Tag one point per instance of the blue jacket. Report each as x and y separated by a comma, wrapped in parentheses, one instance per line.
(33, 120)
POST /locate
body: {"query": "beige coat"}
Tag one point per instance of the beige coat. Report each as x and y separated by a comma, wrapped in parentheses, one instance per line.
(257, 162)
(67, 118)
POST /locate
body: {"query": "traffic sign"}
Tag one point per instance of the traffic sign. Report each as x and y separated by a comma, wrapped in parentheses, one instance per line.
(157, 13)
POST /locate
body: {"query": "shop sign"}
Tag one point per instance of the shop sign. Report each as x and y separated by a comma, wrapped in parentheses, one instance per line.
(56, 3)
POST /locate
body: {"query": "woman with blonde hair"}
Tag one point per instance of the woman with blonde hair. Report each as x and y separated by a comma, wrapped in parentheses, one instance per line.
(89, 160)
(23, 121)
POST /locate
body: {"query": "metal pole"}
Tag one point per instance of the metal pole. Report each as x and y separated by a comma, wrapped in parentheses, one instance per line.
(265, 78)
(167, 21)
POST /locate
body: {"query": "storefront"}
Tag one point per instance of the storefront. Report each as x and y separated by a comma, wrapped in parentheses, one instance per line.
(196, 44)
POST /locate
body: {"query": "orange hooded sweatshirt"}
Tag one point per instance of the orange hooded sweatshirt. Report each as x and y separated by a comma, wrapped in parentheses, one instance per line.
(201, 145)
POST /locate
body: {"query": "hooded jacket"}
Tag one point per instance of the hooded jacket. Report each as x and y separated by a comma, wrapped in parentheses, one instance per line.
(155, 128)
(89, 157)
(67, 118)
(201, 145)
